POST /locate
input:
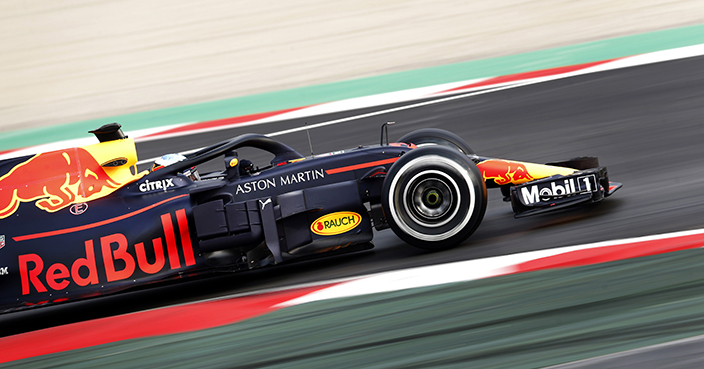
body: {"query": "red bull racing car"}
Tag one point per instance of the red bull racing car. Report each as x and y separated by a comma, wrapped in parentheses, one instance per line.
(82, 222)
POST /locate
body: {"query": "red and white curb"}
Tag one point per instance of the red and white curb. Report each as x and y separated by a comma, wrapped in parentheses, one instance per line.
(228, 310)
(463, 271)
(460, 89)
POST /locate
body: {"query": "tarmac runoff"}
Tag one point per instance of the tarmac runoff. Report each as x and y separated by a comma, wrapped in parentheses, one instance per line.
(274, 103)
(436, 93)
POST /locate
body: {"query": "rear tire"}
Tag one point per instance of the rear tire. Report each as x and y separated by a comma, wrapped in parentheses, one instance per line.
(435, 136)
(434, 197)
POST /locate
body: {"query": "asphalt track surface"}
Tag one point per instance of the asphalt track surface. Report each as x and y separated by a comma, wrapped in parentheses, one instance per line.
(644, 123)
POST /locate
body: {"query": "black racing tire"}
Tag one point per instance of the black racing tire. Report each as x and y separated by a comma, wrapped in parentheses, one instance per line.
(436, 136)
(434, 197)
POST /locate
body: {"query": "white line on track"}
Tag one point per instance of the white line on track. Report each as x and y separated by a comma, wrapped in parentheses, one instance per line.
(385, 98)
(393, 110)
(636, 60)
(605, 361)
(459, 271)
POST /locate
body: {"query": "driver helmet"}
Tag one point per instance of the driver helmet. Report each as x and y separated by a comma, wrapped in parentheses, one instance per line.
(169, 159)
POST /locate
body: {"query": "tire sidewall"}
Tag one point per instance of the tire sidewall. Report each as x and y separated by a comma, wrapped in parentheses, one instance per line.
(458, 173)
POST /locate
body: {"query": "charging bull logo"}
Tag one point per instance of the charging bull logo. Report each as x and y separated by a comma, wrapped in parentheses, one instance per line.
(54, 180)
(335, 223)
(504, 171)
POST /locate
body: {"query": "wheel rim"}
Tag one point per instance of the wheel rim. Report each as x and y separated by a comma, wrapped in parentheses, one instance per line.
(406, 225)
(431, 198)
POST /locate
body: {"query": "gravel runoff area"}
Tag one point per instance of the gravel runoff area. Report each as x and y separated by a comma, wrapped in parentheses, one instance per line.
(72, 60)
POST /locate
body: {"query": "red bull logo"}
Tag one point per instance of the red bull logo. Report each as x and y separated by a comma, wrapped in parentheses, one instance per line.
(54, 180)
(118, 262)
(504, 171)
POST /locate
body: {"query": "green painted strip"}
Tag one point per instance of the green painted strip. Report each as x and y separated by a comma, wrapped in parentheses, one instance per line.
(272, 101)
(528, 320)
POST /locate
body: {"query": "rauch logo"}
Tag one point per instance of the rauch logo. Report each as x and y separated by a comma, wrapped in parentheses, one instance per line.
(335, 223)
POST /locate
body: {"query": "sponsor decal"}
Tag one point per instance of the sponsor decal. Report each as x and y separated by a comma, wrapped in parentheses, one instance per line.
(263, 203)
(293, 178)
(78, 209)
(2, 241)
(254, 186)
(336, 223)
(558, 189)
(301, 177)
(3, 271)
(162, 185)
(53, 181)
(504, 171)
(118, 262)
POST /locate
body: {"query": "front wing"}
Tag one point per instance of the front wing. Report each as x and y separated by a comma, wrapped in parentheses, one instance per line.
(561, 191)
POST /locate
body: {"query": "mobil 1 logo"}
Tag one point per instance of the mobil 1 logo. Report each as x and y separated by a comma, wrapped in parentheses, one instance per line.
(557, 189)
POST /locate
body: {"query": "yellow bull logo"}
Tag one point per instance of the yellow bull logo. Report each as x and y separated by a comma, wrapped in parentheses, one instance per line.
(54, 180)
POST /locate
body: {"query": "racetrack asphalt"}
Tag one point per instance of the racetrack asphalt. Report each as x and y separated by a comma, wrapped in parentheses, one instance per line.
(642, 122)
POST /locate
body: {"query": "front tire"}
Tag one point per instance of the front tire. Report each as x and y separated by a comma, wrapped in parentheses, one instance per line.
(434, 197)
(436, 136)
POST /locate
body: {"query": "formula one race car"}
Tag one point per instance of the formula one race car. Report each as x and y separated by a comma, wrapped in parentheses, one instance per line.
(82, 222)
